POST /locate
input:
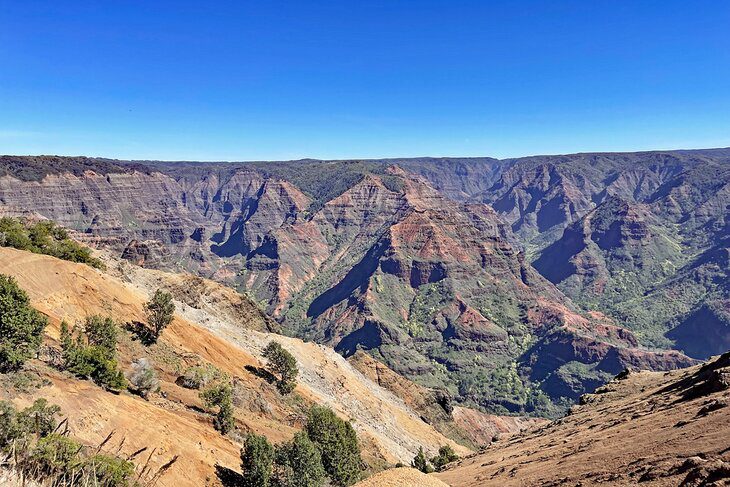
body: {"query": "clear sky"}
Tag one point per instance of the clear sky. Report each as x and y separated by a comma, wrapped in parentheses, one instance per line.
(210, 80)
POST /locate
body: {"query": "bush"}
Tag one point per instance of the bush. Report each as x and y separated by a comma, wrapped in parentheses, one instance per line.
(283, 365)
(298, 463)
(200, 376)
(337, 442)
(257, 456)
(108, 470)
(221, 395)
(143, 379)
(93, 354)
(446, 455)
(44, 237)
(420, 462)
(160, 310)
(54, 455)
(38, 419)
(21, 326)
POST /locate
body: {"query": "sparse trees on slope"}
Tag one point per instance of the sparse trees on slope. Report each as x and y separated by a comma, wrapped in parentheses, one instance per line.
(257, 457)
(283, 365)
(21, 326)
(420, 462)
(298, 463)
(221, 395)
(446, 455)
(160, 310)
(337, 441)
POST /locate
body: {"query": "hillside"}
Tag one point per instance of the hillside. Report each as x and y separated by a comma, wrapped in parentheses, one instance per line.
(643, 428)
(176, 422)
(376, 259)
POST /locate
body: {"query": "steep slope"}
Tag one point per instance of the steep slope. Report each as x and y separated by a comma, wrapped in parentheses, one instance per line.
(642, 428)
(388, 428)
(377, 260)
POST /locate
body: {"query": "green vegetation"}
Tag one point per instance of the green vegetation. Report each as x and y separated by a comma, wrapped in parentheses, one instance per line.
(446, 455)
(298, 463)
(44, 237)
(420, 462)
(338, 444)
(199, 376)
(257, 457)
(283, 365)
(21, 326)
(160, 310)
(327, 448)
(91, 353)
(40, 453)
(220, 395)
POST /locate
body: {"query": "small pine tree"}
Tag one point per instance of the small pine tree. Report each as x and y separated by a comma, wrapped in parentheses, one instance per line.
(446, 455)
(337, 442)
(283, 365)
(420, 462)
(21, 326)
(160, 310)
(298, 463)
(257, 456)
(221, 395)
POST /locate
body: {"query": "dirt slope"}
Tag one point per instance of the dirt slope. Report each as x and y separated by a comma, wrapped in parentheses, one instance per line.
(389, 430)
(651, 428)
(401, 477)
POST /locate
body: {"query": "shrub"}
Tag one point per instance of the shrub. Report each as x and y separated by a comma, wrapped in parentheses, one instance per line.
(93, 353)
(420, 462)
(143, 379)
(283, 365)
(44, 237)
(446, 455)
(38, 419)
(108, 470)
(221, 395)
(200, 376)
(298, 463)
(160, 310)
(21, 326)
(257, 456)
(337, 442)
(54, 455)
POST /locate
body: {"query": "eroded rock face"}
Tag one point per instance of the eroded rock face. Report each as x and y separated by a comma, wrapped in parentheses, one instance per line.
(440, 290)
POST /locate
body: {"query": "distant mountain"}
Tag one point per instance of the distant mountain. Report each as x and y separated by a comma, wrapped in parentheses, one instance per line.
(425, 263)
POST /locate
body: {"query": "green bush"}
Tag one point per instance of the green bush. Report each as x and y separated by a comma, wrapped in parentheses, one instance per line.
(257, 456)
(337, 443)
(160, 310)
(221, 395)
(420, 462)
(283, 365)
(44, 237)
(108, 470)
(55, 454)
(92, 354)
(200, 376)
(298, 464)
(446, 455)
(21, 326)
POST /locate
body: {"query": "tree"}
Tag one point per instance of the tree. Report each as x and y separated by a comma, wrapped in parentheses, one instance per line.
(220, 395)
(283, 365)
(337, 442)
(92, 354)
(160, 310)
(420, 462)
(257, 456)
(144, 378)
(298, 463)
(446, 455)
(21, 326)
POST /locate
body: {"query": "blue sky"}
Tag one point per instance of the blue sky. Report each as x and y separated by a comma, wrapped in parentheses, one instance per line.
(286, 80)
